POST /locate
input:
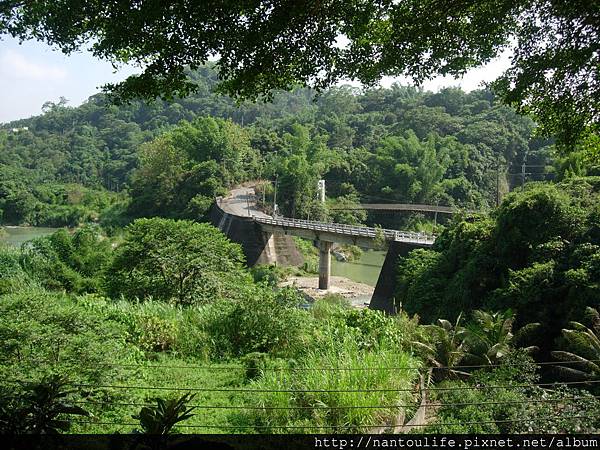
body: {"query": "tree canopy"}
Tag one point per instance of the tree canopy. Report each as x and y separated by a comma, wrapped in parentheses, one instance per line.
(262, 45)
(180, 261)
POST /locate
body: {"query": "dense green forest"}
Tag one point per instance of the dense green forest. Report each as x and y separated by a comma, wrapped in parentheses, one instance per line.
(141, 310)
(380, 145)
(537, 254)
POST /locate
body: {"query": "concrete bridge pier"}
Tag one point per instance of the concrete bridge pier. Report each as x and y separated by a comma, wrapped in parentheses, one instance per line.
(324, 264)
(383, 297)
(269, 253)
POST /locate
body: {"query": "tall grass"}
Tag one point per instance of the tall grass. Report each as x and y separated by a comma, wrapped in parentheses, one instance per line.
(12, 276)
(335, 408)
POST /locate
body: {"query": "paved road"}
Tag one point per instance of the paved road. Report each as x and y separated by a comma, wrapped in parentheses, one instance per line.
(242, 202)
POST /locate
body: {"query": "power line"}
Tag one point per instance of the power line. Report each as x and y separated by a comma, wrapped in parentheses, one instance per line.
(245, 390)
(542, 363)
(384, 426)
(325, 407)
(543, 419)
(199, 389)
(365, 368)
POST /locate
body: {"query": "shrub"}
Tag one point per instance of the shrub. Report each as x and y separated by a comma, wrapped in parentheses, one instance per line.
(255, 363)
(98, 344)
(43, 407)
(376, 329)
(73, 262)
(536, 255)
(12, 275)
(43, 333)
(159, 420)
(310, 254)
(582, 345)
(269, 274)
(260, 321)
(330, 306)
(517, 407)
(370, 329)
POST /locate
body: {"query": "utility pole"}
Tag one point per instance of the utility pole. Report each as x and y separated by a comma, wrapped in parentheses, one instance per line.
(497, 180)
(321, 187)
(275, 196)
(523, 173)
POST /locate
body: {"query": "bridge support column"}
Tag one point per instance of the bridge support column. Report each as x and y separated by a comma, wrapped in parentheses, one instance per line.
(324, 264)
(269, 253)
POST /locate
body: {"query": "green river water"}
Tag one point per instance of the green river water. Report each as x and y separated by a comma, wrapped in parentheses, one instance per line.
(364, 270)
(17, 235)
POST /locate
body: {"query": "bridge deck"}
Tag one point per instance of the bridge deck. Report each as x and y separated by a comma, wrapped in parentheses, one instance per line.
(352, 231)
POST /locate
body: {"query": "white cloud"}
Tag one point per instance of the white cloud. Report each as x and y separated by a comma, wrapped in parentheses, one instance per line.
(473, 79)
(16, 66)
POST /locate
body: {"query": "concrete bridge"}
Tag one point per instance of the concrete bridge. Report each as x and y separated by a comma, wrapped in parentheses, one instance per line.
(328, 233)
(361, 236)
(266, 239)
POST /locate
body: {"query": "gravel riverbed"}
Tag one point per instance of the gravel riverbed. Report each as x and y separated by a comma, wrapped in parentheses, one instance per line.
(359, 294)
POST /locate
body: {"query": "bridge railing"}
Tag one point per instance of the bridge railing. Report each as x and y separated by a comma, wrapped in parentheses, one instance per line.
(352, 230)
(413, 236)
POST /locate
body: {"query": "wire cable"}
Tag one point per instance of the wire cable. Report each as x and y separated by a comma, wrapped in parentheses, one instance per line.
(384, 426)
(246, 390)
(325, 407)
(320, 369)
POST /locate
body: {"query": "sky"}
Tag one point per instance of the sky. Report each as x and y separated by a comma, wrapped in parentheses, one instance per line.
(32, 73)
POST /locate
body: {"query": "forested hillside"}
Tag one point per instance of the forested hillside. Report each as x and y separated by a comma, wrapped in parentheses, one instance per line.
(536, 255)
(396, 144)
